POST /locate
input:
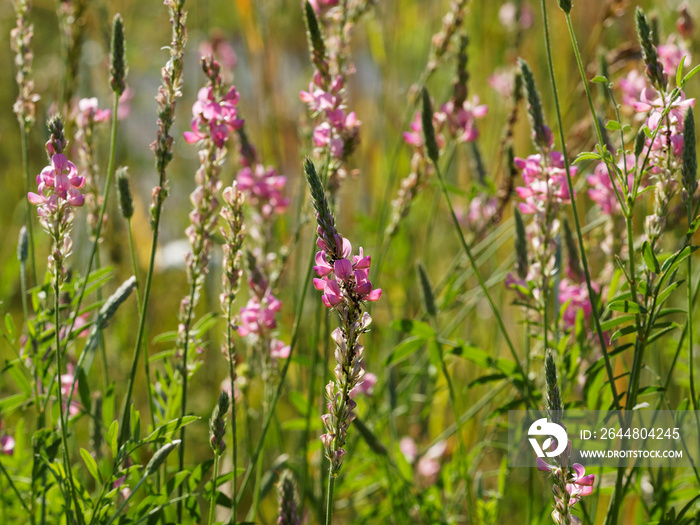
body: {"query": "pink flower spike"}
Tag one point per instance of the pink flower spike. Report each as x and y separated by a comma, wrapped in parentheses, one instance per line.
(278, 350)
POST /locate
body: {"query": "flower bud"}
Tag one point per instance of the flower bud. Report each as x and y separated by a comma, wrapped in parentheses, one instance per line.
(117, 68)
(126, 202)
(23, 245)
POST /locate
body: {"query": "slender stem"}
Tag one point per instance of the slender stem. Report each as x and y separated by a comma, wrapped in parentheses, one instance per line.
(105, 200)
(458, 421)
(146, 362)
(28, 182)
(283, 374)
(595, 314)
(14, 488)
(62, 419)
(212, 503)
(527, 392)
(689, 287)
(329, 498)
(234, 445)
(142, 323)
(126, 501)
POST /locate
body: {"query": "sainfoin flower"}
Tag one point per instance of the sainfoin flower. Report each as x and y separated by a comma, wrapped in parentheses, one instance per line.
(7, 443)
(574, 297)
(545, 182)
(577, 485)
(60, 180)
(89, 111)
(264, 186)
(214, 118)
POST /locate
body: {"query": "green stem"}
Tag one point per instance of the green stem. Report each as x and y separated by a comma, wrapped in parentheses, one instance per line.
(458, 421)
(212, 504)
(329, 498)
(28, 182)
(63, 419)
(595, 314)
(126, 501)
(526, 382)
(14, 488)
(105, 200)
(689, 287)
(234, 445)
(283, 374)
(146, 363)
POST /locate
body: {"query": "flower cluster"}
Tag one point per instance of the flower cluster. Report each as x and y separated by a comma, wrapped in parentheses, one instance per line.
(654, 100)
(576, 484)
(58, 193)
(204, 199)
(69, 386)
(343, 281)
(214, 117)
(264, 187)
(88, 113)
(20, 40)
(545, 180)
(338, 131)
(428, 465)
(257, 318)
(345, 287)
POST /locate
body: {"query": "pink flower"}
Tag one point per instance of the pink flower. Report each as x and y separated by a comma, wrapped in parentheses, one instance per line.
(545, 183)
(278, 350)
(671, 54)
(60, 179)
(632, 86)
(68, 388)
(88, 112)
(320, 6)
(7, 445)
(502, 80)
(461, 120)
(212, 118)
(408, 448)
(263, 186)
(124, 109)
(428, 466)
(574, 297)
(601, 190)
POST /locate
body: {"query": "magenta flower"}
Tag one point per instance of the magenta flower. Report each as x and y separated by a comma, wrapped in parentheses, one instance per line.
(264, 187)
(59, 180)
(671, 54)
(632, 86)
(69, 385)
(601, 190)
(7, 443)
(214, 118)
(545, 182)
(89, 112)
(574, 297)
(461, 121)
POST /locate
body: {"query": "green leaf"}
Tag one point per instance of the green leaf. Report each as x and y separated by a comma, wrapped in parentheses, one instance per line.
(167, 430)
(624, 331)
(112, 436)
(613, 125)
(405, 349)
(650, 259)
(661, 299)
(627, 307)
(690, 75)
(615, 321)
(587, 156)
(10, 327)
(417, 328)
(599, 79)
(91, 465)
